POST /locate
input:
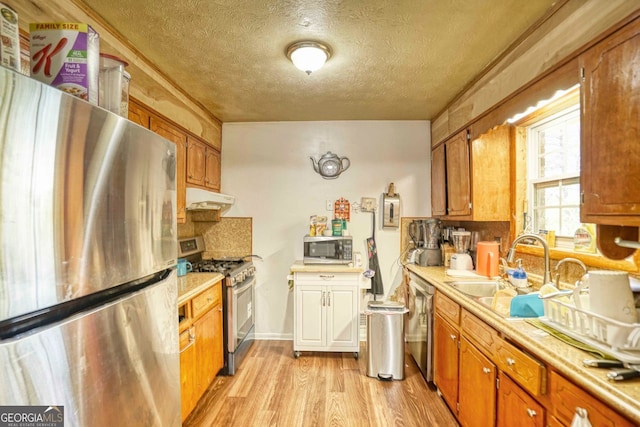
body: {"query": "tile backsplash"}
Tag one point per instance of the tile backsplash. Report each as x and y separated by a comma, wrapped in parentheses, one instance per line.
(229, 237)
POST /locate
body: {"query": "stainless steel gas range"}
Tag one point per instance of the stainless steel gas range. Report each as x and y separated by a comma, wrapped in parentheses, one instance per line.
(238, 298)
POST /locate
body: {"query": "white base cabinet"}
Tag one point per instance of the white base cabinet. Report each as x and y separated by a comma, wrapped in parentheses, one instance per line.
(326, 312)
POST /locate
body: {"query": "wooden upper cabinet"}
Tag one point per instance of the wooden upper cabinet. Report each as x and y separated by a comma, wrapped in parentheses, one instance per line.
(470, 180)
(203, 165)
(610, 149)
(212, 169)
(491, 176)
(139, 114)
(179, 138)
(458, 174)
(438, 182)
(196, 162)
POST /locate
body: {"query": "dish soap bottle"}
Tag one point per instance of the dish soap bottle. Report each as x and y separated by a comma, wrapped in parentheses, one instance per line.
(584, 239)
(519, 278)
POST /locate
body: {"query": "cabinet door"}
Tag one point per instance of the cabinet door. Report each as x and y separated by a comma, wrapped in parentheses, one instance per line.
(445, 359)
(610, 149)
(196, 162)
(212, 168)
(187, 374)
(515, 404)
(310, 315)
(438, 182)
(179, 138)
(458, 178)
(217, 349)
(342, 317)
(490, 166)
(568, 396)
(139, 115)
(477, 394)
(206, 335)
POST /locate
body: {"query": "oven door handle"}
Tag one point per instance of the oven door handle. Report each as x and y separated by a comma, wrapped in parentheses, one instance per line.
(239, 289)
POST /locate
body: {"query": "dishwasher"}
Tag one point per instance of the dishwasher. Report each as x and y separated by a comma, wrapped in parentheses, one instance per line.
(419, 332)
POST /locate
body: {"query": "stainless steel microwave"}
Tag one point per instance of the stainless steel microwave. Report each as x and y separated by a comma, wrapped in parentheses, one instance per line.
(328, 250)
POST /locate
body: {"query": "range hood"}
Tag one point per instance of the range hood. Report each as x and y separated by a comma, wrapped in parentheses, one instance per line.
(198, 199)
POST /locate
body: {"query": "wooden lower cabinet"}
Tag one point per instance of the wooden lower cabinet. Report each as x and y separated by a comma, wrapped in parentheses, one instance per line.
(477, 388)
(187, 371)
(469, 356)
(201, 341)
(445, 360)
(208, 357)
(516, 407)
(567, 397)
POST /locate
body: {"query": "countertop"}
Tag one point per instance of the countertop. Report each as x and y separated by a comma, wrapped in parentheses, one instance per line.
(624, 397)
(194, 283)
(299, 267)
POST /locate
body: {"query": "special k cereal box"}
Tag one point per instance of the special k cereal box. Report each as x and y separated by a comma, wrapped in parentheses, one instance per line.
(9, 39)
(66, 55)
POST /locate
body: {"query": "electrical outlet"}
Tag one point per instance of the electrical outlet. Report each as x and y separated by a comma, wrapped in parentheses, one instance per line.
(368, 204)
(329, 205)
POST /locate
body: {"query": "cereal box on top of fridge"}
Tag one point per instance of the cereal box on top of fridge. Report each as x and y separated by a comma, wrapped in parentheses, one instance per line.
(66, 55)
(9, 38)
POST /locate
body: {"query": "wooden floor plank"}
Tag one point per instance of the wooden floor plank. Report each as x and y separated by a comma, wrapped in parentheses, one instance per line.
(272, 388)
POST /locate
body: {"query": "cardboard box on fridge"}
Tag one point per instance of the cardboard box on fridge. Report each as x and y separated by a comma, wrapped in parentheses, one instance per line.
(66, 55)
(9, 38)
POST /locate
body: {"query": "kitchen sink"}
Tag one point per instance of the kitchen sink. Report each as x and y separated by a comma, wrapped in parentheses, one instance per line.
(475, 288)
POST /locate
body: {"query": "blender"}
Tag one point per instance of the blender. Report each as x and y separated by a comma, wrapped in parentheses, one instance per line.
(431, 254)
(461, 260)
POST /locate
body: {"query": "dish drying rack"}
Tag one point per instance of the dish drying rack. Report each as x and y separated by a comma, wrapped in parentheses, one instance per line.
(617, 339)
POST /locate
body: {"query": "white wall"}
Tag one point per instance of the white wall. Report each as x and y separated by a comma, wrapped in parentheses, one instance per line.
(267, 167)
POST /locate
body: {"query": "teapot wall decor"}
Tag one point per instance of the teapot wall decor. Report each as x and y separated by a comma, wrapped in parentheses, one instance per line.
(330, 166)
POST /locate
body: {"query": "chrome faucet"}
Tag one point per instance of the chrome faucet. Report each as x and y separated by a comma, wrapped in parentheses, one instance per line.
(512, 253)
(564, 260)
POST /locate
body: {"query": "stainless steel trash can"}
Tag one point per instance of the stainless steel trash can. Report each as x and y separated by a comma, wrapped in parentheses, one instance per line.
(385, 340)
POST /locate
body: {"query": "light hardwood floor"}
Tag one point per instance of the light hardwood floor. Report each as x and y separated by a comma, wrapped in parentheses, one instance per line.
(272, 388)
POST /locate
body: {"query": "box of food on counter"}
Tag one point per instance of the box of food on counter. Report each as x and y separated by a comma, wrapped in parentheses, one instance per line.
(10, 39)
(66, 55)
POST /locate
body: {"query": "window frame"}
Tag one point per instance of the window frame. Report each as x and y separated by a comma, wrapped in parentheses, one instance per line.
(569, 109)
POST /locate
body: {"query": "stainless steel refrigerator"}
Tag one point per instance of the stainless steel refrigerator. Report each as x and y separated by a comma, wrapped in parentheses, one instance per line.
(88, 295)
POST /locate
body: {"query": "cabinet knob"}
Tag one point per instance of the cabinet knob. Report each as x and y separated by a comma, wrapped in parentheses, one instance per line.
(326, 276)
(209, 299)
(486, 370)
(510, 361)
(531, 412)
(453, 337)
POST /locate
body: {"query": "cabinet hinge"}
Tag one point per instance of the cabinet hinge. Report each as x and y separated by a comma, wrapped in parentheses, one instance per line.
(497, 383)
(458, 343)
(582, 73)
(582, 197)
(457, 407)
(470, 205)
(468, 135)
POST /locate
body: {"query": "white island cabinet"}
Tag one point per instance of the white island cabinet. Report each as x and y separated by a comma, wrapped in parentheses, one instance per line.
(326, 308)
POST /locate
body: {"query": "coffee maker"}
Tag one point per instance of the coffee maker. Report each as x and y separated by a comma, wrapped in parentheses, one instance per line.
(431, 233)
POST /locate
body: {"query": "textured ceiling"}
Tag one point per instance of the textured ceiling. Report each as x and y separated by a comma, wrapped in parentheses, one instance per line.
(392, 60)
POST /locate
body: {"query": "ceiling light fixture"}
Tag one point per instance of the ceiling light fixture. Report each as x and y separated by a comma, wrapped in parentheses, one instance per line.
(308, 56)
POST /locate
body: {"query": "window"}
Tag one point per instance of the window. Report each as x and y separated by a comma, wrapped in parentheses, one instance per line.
(553, 181)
